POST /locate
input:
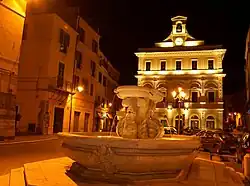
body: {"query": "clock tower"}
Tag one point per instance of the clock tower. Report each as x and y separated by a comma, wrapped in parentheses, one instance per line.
(179, 35)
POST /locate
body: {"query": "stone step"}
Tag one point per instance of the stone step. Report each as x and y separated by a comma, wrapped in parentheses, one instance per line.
(48, 173)
(17, 177)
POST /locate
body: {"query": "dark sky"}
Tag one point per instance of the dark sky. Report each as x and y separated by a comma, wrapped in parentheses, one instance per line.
(126, 25)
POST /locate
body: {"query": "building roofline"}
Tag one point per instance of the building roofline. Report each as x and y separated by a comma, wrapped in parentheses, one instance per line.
(92, 29)
(180, 48)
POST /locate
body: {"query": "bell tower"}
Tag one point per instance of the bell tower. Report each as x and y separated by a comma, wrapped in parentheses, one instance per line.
(179, 35)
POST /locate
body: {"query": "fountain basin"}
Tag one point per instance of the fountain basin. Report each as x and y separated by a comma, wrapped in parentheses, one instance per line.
(113, 157)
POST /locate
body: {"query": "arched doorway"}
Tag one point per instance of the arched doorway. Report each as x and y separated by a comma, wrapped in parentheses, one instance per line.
(210, 122)
(194, 122)
(177, 122)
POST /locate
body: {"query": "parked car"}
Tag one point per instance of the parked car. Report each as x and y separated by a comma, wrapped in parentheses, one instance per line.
(208, 141)
(243, 147)
(170, 130)
(200, 133)
(191, 131)
(228, 143)
(219, 142)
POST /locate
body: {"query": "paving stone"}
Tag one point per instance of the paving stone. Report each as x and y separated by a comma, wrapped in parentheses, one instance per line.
(4, 180)
(17, 177)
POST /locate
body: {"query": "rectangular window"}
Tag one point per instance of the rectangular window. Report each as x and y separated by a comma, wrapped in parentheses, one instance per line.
(100, 77)
(91, 89)
(81, 32)
(194, 97)
(104, 82)
(194, 65)
(178, 65)
(163, 65)
(210, 64)
(60, 78)
(93, 68)
(64, 40)
(94, 46)
(148, 66)
(78, 58)
(211, 97)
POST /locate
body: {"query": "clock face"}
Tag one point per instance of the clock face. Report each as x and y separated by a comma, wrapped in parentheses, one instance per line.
(178, 41)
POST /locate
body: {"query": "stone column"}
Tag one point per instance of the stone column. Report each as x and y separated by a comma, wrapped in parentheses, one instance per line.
(219, 121)
(203, 120)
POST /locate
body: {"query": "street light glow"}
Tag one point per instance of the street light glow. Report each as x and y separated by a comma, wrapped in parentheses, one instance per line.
(174, 94)
(182, 94)
(80, 88)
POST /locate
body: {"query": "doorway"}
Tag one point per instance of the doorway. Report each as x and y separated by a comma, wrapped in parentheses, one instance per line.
(58, 120)
(177, 123)
(86, 122)
(76, 121)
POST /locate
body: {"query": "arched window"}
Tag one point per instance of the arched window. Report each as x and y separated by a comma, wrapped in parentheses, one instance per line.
(147, 85)
(210, 122)
(195, 122)
(179, 27)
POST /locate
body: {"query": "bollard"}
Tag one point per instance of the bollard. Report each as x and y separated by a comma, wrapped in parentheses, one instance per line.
(246, 165)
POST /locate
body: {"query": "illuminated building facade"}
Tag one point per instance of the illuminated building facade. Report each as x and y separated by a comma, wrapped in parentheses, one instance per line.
(58, 75)
(182, 61)
(11, 28)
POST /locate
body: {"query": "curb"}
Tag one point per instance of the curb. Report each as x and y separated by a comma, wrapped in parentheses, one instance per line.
(28, 141)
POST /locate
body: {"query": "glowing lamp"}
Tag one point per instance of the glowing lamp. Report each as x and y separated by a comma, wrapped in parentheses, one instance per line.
(79, 88)
(182, 94)
(174, 93)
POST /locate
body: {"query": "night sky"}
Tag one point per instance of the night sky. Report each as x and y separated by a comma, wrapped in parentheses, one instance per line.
(126, 25)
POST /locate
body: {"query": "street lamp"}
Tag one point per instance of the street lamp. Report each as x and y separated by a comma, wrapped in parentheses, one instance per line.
(180, 96)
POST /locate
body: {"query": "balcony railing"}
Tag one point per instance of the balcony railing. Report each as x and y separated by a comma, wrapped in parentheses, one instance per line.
(190, 104)
(60, 83)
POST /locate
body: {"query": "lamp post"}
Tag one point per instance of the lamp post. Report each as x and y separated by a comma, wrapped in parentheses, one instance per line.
(180, 96)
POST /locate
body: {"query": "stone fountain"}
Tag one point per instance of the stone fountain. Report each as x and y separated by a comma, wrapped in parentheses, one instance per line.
(139, 151)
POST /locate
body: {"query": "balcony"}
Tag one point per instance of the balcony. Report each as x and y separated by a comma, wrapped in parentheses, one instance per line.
(192, 105)
(60, 84)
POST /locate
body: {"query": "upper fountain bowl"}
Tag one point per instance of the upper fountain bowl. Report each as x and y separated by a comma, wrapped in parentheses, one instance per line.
(136, 91)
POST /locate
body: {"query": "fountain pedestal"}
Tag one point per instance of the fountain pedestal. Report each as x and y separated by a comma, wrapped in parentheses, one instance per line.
(139, 152)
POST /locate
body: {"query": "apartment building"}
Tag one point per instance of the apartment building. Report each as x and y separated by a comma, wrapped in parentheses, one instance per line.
(11, 29)
(58, 79)
(183, 65)
(105, 100)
